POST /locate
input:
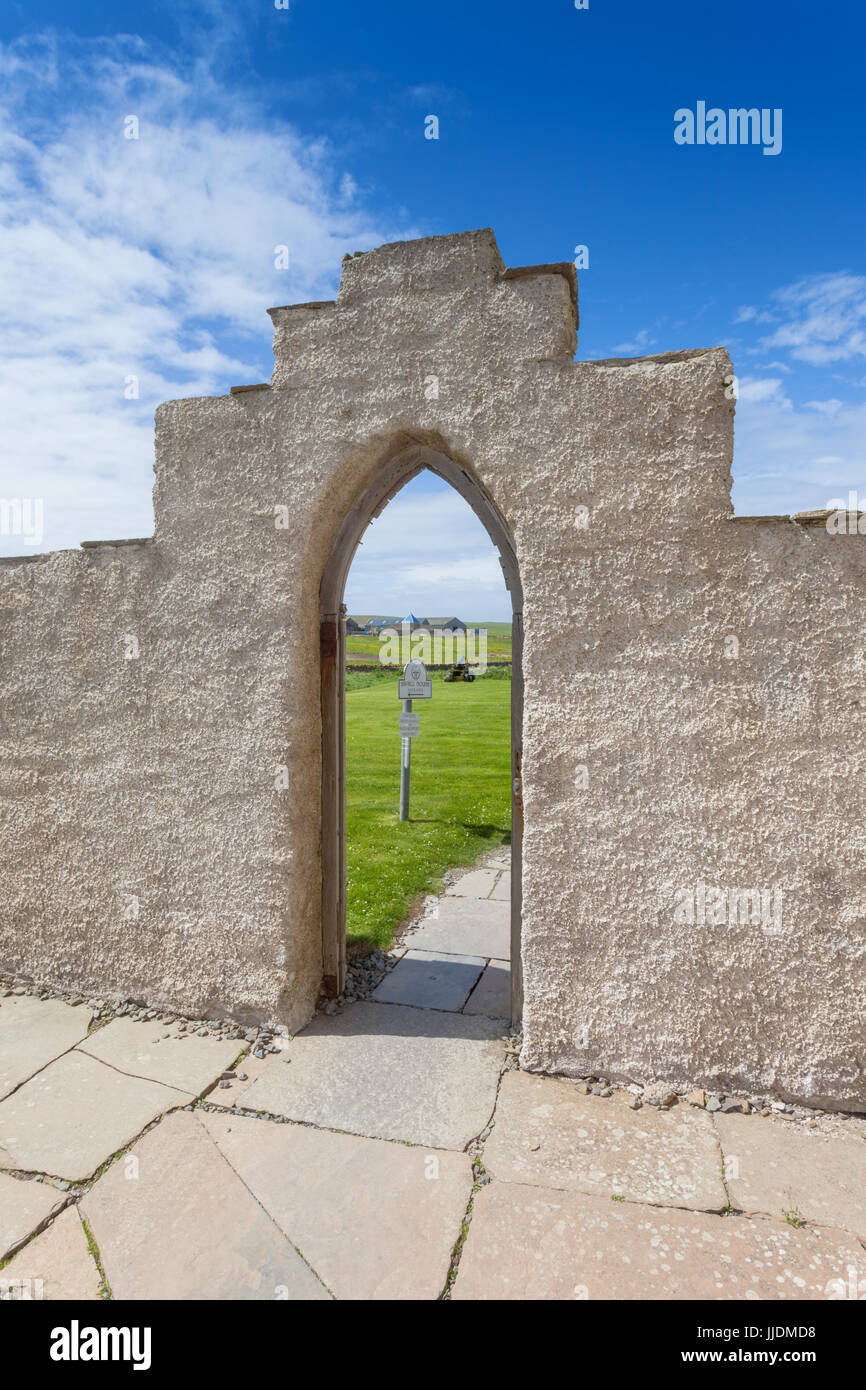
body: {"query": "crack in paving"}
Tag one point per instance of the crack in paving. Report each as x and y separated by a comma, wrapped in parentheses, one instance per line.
(481, 1179)
(272, 1117)
(105, 1291)
(724, 1176)
(283, 1234)
(39, 1070)
(66, 1200)
(136, 1076)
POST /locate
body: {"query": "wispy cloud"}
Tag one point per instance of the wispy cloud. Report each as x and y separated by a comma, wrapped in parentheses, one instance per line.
(791, 457)
(820, 320)
(793, 453)
(761, 389)
(141, 264)
(642, 342)
(427, 552)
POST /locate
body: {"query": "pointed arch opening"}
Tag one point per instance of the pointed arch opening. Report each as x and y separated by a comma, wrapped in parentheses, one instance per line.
(390, 479)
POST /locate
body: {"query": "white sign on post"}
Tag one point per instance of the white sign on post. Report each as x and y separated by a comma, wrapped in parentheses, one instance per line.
(415, 684)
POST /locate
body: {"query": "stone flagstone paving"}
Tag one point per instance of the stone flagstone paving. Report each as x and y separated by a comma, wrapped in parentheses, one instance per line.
(538, 1243)
(57, 1264)
(32, 1033)
(431, 980)
(350, 1161)
(420, 1076)
(550, 1135)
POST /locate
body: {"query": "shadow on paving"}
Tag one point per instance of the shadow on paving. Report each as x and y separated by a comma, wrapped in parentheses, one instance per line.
(388, 1071)
(375, 1020)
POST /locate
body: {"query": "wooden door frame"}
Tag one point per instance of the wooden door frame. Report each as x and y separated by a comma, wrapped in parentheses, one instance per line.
(393, 476)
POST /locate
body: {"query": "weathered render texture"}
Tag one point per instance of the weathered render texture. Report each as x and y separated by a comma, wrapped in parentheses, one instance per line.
(152, 845)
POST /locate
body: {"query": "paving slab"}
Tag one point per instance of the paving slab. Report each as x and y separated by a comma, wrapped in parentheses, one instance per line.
(57, 1264)
(500, 859)
(772, 1167)
(465, 926)
(377, 1220)
(33, 1032)
(389, 1072)
(186, 1227)
(430, 980)
(549, 1134)
(529, 1243)
(140, 1049)
(75, 1114)
(502, 890)
(24, 1205)
(478, 883)
(492, 995)
(230, 1094)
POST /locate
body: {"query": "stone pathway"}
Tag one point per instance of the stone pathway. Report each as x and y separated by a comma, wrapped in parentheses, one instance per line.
(393, 1150)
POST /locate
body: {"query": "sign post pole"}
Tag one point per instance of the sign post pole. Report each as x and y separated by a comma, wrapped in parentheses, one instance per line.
(405, 768)
(414, 685)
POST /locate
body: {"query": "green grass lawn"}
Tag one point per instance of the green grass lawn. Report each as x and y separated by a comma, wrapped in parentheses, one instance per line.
(364, 645)
(493, 629)
(461, 794)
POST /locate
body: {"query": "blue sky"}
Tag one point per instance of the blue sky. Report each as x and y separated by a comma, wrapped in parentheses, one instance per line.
(262, 126)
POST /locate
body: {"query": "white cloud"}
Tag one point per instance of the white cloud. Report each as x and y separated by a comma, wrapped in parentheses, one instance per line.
(642, 341)
(151, 258)
(792, 454)
(821, 319)
(482, 571)
(428, 553)
(751, 388)
(790, 458)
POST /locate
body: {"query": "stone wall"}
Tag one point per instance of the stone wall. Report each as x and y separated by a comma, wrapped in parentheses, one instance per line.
(159, 811)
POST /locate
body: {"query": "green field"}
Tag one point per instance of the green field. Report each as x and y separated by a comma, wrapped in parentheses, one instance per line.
(461, 797)
(361, 647)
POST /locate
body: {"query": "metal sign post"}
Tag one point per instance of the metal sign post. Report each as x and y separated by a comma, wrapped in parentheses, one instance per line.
(415, 685)
(405, 764)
